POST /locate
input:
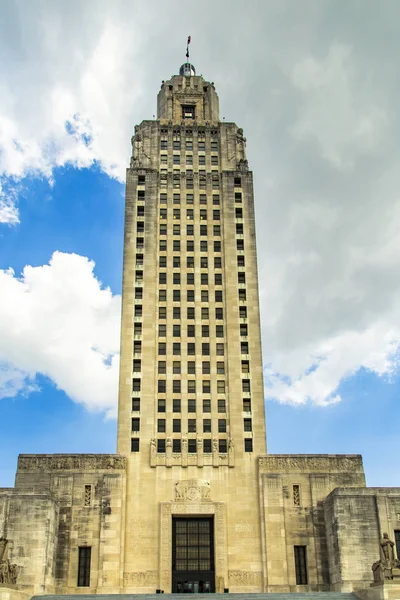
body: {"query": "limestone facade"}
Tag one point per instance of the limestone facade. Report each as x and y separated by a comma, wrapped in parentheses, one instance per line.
(191, 423)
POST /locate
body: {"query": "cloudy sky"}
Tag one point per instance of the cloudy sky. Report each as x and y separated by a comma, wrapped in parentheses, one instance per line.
(315, 85)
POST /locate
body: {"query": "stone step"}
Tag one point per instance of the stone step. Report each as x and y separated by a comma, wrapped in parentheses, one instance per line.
(272, 596)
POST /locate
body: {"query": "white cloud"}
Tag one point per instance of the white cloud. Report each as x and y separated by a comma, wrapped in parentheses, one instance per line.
(8, 209)
(57, 320)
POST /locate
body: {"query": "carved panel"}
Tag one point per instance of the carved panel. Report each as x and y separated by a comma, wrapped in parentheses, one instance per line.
(245, 578)
(192, 489)
(305, 463)
(81, 462)
(141, 578)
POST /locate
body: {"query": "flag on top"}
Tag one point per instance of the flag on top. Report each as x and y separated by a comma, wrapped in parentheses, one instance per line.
(187, 47)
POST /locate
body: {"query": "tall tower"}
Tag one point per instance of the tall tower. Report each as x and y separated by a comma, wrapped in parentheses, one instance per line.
(191, 406)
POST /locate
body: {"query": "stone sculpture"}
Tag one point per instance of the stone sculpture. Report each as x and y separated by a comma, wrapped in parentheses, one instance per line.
(8, 570)
(387, 567)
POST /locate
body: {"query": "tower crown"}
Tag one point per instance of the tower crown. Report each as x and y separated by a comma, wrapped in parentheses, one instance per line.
(187, 70)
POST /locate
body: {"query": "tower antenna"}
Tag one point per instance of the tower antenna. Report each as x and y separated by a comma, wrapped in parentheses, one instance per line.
(187, 48)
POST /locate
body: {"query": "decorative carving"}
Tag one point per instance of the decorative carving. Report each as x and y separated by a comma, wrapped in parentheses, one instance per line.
(245, 578)
(296, 495)
(81, 462)
(3, 547)
(106, 507)
(141, 578)
(231, 453)
(306, 463)
(192, 489)
(387, 567)
(8, 570)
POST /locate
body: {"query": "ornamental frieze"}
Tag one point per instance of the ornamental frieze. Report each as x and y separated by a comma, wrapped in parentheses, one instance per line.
(60, 462)
(305, 463)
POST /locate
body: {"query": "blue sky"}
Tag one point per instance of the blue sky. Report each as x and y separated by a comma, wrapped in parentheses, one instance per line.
(317, 98)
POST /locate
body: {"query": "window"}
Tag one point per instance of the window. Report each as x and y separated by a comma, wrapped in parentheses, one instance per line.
(162, 278)
(163, 245)
(138, 310)
(163, 213)
(246, 405)
(176, 145)
(176, 159)
(203, 229)
(161, 405)
(161, 446)
(162, 262)
(176, 312)
(176, 405)
(203, 199)
(206, 367)
(222, 446)
(190, 278)
(204, 295)
(176, 214)
(176, 229)
(84, 558)
(217, 230)
(238, 196)
(205, 312)
(176, 330)
(190, 295)
(137, 365)
(162, 386)
(176, 245)
(135, 445)
(164, 160)
(137, 329)
(247, 425)
(219, 330)
(216, 199)
(176, 349)
(176, 278)
(188, 112)
(191, 349)
(192, 446)
(203, 245)
(245, 366)
(203, 215)
(164, 144)
(220, 349)
(248, 445)
(217, 246)
(176, 295)
(191, 386)
(190, 214)
(163, 229)
(140, 227)
(176, 386)
(206, 425)
(214, 146)
(137, 347)
(204, 279)
(207, 405)
(191, 331)
(189, 159)
(191, 367)
(176, 367)
(207, 446)
(139, 243)
(162, 367)
(243, 312)
(177, 198)
(239, 228)
(219, 314)
(240, 261)
(189, 200)
(244, 347)
(241, 277)
(218, 296)
(300, 564)
(136, 385)
(176, 425)
(161, 425)
(162, 331)
(190, 312)
(135, 404)
(189, 229)
(206, 387)
(191, 405)
(135, 424)
(190, 245)
(218, 278)
(202, 159)
(242, 294)
(176, 262)
(140, 211)
(205, 349)
(221, 406)
(176, 445)
(243, 330)
(296, 495)
(192, 426)
(190, 262)
(138, 293)
(246, 385)
(201, 145)
(220, 386)
(221, 425)
(204, 262)
(220, 368)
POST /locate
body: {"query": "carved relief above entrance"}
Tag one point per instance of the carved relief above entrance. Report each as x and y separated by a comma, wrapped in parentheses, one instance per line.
(192, 489)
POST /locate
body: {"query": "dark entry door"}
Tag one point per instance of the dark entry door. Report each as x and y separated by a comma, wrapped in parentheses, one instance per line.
(193, 555)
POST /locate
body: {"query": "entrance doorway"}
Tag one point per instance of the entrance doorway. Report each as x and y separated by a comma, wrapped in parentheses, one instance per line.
(193, 570)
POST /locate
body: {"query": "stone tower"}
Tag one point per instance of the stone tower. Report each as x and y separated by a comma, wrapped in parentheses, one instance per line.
(191, 408)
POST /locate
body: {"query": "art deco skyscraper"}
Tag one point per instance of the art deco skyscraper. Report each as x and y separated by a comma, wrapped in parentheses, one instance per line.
(191, 406)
